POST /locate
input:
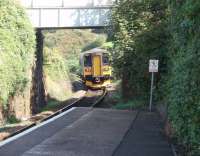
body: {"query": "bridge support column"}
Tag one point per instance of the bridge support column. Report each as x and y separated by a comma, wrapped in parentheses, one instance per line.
(38, 99)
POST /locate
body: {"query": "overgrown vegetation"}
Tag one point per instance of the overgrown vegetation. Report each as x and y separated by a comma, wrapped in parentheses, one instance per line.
(168, 31)
(17, 43)
(183, 82)
(12, 120)
(61, 58)
(140, 34)
(52, 104)
(56, 75)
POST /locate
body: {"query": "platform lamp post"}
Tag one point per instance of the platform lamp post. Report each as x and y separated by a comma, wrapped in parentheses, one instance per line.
(153, 68)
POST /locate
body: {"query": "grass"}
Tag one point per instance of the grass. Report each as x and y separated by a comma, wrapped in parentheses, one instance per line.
(52, 104)
(125, 104)
(12, 120)
(130, 104)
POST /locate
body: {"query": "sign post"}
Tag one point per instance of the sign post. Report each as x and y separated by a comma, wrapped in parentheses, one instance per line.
(153, 68)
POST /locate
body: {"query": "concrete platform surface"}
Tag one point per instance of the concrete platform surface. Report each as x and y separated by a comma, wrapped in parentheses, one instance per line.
(145, 138)
(80, 132)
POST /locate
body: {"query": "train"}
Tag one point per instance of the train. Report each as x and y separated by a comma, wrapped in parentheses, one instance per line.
(96, 71)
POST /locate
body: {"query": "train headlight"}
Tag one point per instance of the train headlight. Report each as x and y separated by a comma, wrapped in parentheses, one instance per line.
(97, 79)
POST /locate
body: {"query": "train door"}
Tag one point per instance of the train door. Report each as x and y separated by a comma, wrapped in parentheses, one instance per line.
(87, 65)
(96, 65)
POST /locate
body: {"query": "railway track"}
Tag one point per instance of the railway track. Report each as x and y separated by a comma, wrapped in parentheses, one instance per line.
(91, 99)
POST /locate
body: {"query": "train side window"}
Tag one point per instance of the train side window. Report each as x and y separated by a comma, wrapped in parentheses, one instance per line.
(88, 61)
(106, 59)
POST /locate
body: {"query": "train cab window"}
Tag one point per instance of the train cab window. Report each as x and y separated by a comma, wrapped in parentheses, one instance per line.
(88, 61)
(106, 59)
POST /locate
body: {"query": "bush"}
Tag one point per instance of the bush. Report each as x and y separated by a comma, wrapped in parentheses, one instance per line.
(12, 120)
(57, 81)
(183, 83)
(70, 43)
(140, 33)
(55, 64)
(168, 31)
(17, 42)
(97, 43)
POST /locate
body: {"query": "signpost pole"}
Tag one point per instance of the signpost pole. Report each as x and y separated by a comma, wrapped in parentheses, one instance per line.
(151, 91)
(153, 68)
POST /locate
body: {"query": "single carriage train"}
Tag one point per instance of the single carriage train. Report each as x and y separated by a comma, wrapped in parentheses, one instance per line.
(96, 69)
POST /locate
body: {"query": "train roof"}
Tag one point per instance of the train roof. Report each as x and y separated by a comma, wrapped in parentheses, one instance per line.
(92, 51)
(95, 50)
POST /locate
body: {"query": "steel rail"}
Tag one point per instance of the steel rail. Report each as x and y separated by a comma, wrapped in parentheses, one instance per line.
(45, 119)
(98, 101)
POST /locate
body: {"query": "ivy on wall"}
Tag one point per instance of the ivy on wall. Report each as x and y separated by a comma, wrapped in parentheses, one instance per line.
(17, 45)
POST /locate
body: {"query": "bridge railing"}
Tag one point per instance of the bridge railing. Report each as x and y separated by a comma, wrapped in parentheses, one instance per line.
(68, 13)
(65, 3)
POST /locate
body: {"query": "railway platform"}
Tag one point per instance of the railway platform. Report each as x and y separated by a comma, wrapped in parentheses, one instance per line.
(92, 132)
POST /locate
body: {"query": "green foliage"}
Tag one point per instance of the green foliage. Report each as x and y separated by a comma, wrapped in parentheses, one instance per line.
(52, 104)
(70, 43)
(56, 73)
(12, 120)
(139, 34)
(54, 64)
(107, 45)
(168, 31)
(61, 59)
(119, 103)
(183, 85)
(97, 43)
(131, 104)
(17, 42)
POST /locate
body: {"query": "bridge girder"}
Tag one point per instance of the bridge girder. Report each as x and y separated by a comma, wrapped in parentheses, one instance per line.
(69, 13)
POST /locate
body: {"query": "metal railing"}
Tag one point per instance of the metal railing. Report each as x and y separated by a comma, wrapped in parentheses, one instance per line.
(66, 3)
(68, 13)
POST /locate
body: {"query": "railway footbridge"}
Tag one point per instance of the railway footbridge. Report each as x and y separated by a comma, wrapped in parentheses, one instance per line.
(68, 13)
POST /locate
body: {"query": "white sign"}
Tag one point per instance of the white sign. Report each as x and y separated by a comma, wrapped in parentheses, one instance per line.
(153, 66)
